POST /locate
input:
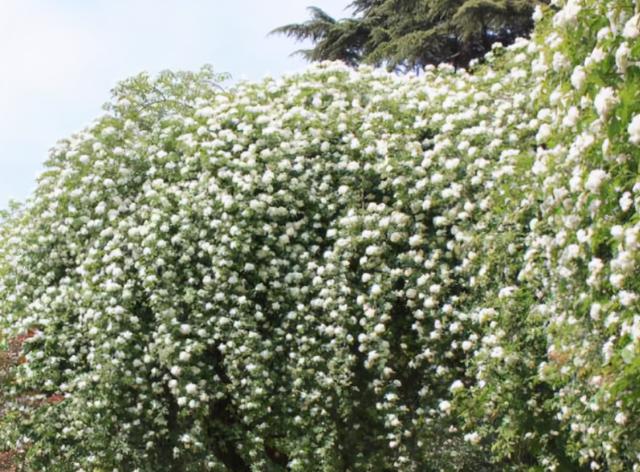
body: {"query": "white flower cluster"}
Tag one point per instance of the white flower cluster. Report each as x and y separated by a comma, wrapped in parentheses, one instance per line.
(341, 269)
(583, 248)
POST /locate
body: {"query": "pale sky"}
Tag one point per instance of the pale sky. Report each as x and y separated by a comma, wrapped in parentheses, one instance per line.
(60, 58)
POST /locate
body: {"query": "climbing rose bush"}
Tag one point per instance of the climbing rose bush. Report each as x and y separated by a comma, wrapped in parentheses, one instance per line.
(341, 269)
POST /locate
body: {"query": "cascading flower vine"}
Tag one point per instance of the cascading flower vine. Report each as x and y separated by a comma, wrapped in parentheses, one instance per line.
(341, 269)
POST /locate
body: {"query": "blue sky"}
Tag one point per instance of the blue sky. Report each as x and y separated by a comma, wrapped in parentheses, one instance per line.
(60, 58)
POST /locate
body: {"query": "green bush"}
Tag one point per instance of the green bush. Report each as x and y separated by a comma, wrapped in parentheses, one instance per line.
(342, 269)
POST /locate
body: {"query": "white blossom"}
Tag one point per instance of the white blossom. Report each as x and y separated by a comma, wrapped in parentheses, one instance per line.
(605, 101)
(621, 418)
(622, 57)
(631, 28)
(634, 130)
(595, 179)
(445, 407)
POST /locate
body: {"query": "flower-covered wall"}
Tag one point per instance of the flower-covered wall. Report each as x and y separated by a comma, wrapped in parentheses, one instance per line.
(342, 269)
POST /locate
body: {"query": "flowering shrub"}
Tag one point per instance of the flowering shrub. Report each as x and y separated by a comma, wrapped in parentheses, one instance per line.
(342, 269)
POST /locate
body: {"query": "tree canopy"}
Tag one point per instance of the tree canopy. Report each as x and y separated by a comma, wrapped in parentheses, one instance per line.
(409, 34)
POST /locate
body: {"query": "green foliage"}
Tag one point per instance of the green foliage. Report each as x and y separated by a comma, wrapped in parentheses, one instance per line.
(409, 34)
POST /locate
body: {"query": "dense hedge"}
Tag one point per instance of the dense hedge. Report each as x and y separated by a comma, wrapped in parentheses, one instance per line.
(342, 269)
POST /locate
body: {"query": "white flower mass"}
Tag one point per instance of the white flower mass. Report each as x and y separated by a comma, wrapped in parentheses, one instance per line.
(342, 269)
(604, 101)
(634, 130)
